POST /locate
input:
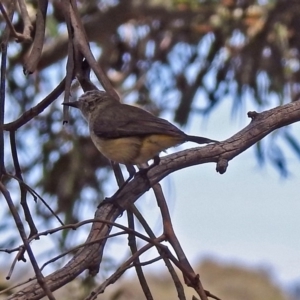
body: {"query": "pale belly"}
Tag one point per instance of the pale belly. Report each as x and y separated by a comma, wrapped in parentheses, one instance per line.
(134, 150)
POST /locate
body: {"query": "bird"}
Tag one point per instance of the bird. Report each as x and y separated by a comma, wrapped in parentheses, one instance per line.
(127, 134)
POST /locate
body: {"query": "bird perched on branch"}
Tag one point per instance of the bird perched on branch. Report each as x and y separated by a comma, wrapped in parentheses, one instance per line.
(127, 134)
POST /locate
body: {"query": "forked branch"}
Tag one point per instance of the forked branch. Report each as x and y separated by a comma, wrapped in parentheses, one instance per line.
(89, 257)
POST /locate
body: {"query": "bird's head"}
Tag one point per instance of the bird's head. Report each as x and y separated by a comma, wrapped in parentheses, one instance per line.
(90, 101)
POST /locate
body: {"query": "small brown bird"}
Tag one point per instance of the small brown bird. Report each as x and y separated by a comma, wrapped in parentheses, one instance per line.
(127, 134)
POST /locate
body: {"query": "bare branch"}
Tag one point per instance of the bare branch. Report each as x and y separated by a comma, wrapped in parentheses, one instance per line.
(38, 273)
(23, 190)
(26, 20)
(2, 105)
(72, 250)
(25, 37)
(36, 110)
(133, 247)
(171, 237)
(19, 256)
(70, 67)
(163, 255)
(90, 257)
(120, 271)
(38, 42)
(81, 42)
(16, 285)
(35, 195)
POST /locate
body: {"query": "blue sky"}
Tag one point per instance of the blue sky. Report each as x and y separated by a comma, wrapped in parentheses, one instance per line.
(245, 216)
(249, 215)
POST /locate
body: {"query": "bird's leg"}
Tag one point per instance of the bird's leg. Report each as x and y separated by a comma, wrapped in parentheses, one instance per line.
(131, 171)
(156, 161)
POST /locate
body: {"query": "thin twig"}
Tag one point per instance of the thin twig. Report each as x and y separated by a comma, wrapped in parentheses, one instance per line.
(132, 237)
(8, 20)
(168, 227)
(36, 110)
(36, 196)
(88, 221)
(4, 43)
(11, 250)
(19, 256)
(78, 247)
(70, 67)
(74, 227)
(171, 237)
(120, 271)
(26, 20)
(137, 264)
(150, 261)
(2, 105)
(83, 76)
(38, 42)
(18, 36)
(18, 221)
(16, 285)
(23, 190)
(82, 43)
(176, 280)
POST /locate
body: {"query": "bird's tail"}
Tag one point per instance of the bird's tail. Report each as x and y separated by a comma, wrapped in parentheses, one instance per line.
(199, 139)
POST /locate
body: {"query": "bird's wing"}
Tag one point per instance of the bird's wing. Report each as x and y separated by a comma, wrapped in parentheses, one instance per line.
(125, 120)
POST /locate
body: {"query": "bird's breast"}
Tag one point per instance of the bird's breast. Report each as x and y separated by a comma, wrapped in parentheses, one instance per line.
(134, 150)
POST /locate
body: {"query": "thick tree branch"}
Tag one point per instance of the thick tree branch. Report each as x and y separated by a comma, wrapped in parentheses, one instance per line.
(90, 256)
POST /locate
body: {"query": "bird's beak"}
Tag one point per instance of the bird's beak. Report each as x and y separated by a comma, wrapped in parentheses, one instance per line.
(73, 104)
